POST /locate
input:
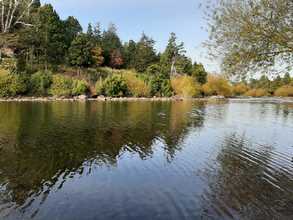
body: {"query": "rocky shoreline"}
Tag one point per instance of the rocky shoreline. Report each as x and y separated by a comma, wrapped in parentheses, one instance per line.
(100, 98)
(113, 99)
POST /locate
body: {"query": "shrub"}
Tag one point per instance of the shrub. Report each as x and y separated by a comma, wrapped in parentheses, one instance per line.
(80, 87)
(61, 86)
(3, 72)
(285, 91)
(40, 82)
(217, 85)
(160, 86)
(257, 93)
(12, 85)
(185, 86)
(240, 89)
(153, 70)
(166, 88)
(137, 87)
(99, 87)
(115, 86)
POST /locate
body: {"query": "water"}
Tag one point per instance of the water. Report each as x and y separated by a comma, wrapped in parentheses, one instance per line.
(146, 160)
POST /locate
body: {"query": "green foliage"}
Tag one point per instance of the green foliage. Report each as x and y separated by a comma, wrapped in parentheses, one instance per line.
(12, 85)
(72, 29)
(160, 86)
(136, 86)
(61, 86)
(287, 79)
(199, 72)
(80, 51)
(185, 86)
(153, 70)
(40, 82)
(145, 53)
(114, 86)
(80, 87)
(173, 53)
(110, 42)
(99, 87)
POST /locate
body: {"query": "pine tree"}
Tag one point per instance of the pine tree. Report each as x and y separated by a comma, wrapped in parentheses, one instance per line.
(80, 52)
(145, 54)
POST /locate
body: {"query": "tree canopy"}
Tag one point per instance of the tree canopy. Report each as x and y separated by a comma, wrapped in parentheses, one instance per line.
(252, 35)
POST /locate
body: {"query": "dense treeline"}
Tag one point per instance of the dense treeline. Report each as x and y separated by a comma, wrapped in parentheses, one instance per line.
(44, 55)
(52, 45)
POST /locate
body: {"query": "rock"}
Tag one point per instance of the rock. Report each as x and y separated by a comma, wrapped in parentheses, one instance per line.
(82, 97)
(217, 97)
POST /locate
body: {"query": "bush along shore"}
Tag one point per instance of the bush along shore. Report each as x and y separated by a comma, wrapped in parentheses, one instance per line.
(120, 85)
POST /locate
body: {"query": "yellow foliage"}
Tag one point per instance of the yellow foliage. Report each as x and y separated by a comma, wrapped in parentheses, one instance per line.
(3, 72)
(240, 89)
(136, 86)
(284, 91)
(217, 85)
(257, 93)
(185, 86)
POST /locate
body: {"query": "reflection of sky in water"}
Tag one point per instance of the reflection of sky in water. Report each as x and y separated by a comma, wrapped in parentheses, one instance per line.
(146, 160)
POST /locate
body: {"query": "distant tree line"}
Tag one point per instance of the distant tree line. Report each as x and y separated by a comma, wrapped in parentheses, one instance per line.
(44, 41)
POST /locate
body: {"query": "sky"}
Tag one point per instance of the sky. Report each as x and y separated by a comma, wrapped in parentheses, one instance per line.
(156, 18)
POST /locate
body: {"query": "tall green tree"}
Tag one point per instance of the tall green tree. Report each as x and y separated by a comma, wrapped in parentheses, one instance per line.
(44, 43)
(199, 72)
(72, 29)
(80, 52)
(171, 54)
(110, 43)
(129, 49)
(145, 53)
(287, 79)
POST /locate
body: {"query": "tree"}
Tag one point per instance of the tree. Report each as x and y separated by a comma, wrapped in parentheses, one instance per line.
(199, 72)
(45, 41)
(110, 43)
(90, 31)
(97, 33)
(72, 29)
(145, 53)
(14, 13)
(287, 79)
(171, 54)
(80, 52)
(184, 65)
(130, 54)
(97, 55)
(251, 35)
(116, 59)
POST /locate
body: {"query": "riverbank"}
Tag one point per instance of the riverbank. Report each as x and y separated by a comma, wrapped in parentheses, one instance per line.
(161, 99)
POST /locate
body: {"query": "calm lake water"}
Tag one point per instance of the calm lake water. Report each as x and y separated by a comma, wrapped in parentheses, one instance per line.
(146, 160)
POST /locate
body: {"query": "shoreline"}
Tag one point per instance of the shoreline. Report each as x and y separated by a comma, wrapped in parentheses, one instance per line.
(153, 99)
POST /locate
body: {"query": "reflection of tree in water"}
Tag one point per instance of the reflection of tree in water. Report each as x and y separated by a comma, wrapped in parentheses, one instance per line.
(249, 181)
(54, 140)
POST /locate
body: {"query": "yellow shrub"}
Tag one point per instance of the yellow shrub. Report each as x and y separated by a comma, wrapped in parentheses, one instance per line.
(256, 93)
(240, 89)
(3, 72)
(137, 87)
(185, 86)
(217, 85)
(284, 91)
